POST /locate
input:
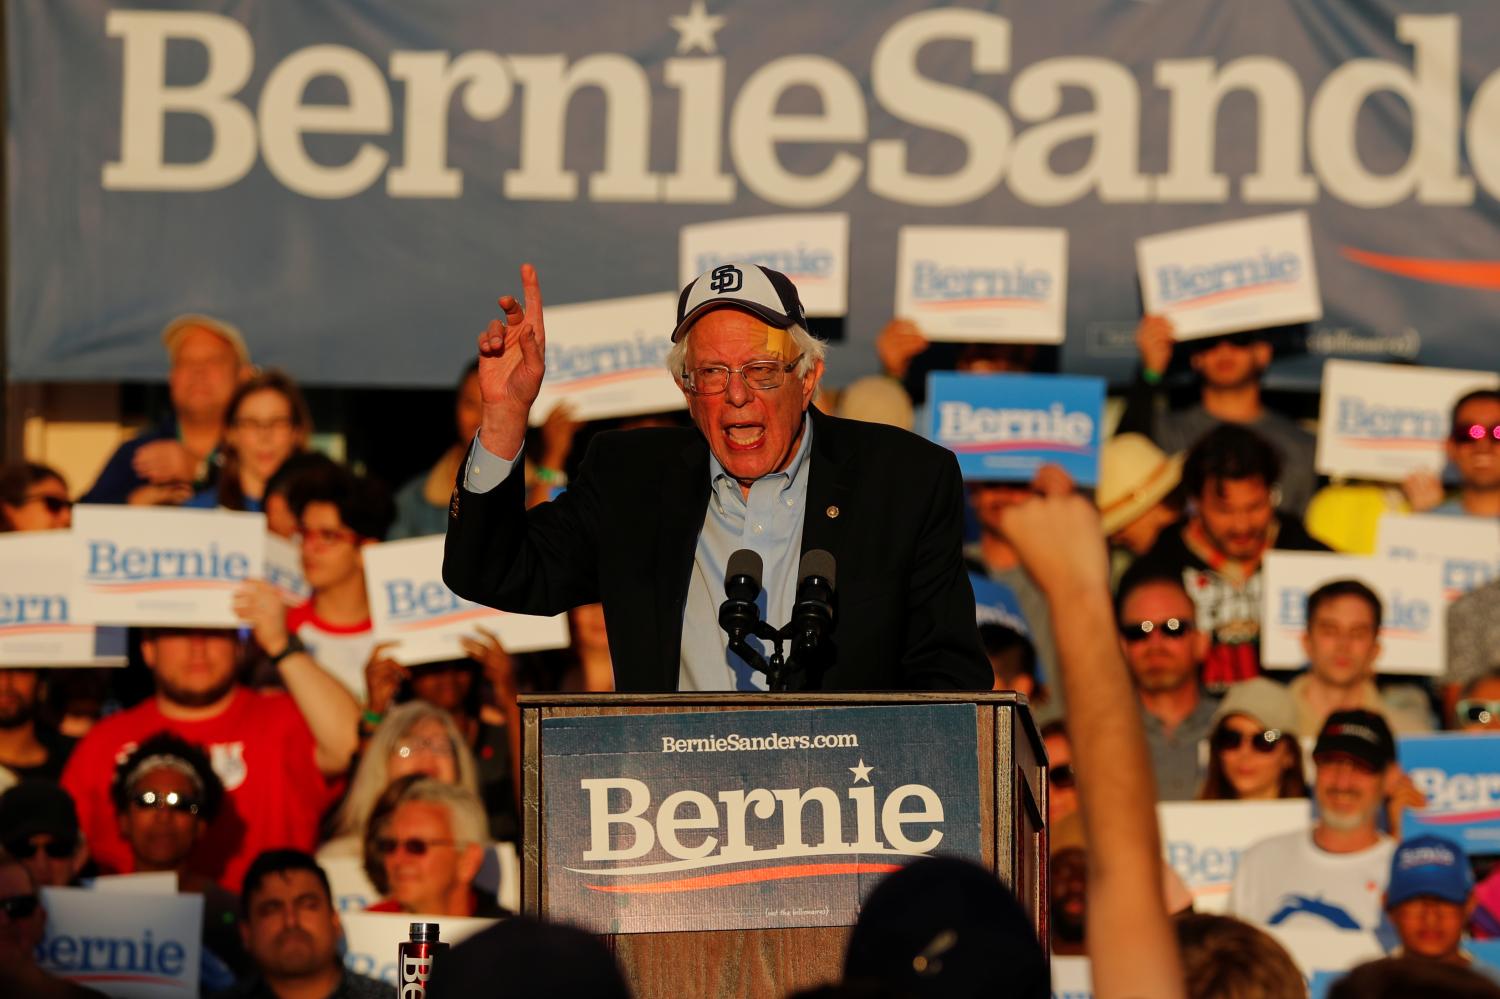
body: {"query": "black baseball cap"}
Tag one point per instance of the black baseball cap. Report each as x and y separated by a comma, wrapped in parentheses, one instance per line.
(752, 288)
(37, 806)
(1363, 735)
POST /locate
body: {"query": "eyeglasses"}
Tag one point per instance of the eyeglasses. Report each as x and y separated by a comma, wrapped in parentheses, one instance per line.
(1139, 631)
(54, 504)
(1246, 339)
(274, 423)
(433, 747)
(711, 379)
(1473, 433)
(19, 906)
(1062, 775)
(385, 845)
(171, 800)
(57, 849)
(1226, 739)
(1477, 712)
(323, 537)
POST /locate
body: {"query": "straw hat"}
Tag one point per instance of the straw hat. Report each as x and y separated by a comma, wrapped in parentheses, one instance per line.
(1134, 476)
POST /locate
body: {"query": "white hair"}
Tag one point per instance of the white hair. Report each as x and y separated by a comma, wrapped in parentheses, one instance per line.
(373, 774)
(810, 347)
(467, 822)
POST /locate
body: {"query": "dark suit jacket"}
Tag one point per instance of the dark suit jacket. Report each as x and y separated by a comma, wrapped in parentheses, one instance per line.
(887, 504)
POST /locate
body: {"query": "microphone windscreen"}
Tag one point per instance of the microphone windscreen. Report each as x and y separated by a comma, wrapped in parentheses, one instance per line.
(743, 563)
(818, 563)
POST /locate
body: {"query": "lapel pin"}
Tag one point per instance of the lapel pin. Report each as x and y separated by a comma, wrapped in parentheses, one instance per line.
(832, 512)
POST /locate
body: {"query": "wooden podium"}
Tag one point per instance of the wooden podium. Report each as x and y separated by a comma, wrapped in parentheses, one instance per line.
(1012, 808)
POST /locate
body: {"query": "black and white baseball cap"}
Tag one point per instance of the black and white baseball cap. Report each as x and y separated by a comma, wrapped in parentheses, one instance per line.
(755, 289)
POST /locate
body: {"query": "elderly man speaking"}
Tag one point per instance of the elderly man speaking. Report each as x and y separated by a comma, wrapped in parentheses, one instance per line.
(651, 522)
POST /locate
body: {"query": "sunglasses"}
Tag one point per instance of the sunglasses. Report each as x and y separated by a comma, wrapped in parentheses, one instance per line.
(57, 849)
(1139, 631)
(19, 906)
(171, 800)
(54, 504)
(1062, 775)
(385, 846)
(1477, 712)
(1226, 739)
(1470, 433)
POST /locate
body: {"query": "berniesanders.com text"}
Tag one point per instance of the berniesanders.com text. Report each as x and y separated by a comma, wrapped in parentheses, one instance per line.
(736, 743)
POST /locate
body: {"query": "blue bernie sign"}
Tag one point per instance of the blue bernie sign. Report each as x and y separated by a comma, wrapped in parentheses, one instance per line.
(1460, 775)
(1005, 427)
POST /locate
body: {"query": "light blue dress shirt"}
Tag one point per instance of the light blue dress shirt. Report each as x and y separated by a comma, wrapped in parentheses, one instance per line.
(768, 522)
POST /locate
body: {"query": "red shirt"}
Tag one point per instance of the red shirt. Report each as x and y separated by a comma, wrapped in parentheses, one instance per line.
(261, 749)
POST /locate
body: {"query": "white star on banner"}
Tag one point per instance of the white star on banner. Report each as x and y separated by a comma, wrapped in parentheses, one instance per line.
(861, 772)
(696, 30)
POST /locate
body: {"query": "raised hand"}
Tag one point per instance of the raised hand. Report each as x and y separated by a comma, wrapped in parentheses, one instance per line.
(512, 356)
(898, 343)
(1153, 338)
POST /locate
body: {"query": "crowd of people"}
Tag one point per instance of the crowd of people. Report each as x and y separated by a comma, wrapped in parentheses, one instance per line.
(244, 758)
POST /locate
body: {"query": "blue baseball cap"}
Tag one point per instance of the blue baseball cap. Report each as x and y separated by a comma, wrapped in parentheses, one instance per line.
(1429, 866)
(997, 604)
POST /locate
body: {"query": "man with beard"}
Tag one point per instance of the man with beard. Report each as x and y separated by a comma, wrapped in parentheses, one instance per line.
(1164, 650)
(1333, 876)
(292, 932)
(1229, 370)
(27, 749)
(272, 750)
(1230, 480)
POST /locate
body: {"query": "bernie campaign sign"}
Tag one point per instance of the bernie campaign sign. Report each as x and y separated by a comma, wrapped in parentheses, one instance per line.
(811, 249)
(718, 820)
(1460, 776)
(1005, 427)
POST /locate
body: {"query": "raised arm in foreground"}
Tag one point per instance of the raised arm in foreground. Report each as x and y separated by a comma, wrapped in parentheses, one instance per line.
(1130, 940)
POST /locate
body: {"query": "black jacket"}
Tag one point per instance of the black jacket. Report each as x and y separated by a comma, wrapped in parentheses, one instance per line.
(887, 504)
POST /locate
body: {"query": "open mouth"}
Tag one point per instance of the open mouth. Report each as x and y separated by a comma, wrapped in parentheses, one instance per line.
(744, 436)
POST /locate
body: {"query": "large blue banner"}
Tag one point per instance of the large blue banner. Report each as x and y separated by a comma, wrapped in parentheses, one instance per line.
(749, 819)
(354, 181)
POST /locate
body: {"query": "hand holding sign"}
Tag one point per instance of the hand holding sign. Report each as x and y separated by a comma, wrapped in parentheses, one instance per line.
(259, 604)
(511, 365)
(383, 677)
(1153, 338)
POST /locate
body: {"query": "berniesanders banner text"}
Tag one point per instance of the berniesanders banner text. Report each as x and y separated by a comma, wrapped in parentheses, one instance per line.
(349, 181)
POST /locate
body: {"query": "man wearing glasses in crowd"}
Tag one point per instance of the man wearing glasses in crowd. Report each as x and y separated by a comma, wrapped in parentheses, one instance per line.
(649, 524)
(1164, 651)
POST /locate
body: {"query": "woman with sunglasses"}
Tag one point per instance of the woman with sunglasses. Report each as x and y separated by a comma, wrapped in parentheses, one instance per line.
(268, 422)
(1253, 751)
(166, 793)
(33, 498)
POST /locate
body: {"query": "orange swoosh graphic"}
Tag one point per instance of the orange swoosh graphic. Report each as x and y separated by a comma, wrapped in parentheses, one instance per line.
(1483, 274)
(746, 877)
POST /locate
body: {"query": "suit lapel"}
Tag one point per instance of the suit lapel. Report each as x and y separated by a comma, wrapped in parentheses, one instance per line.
(830, 489)
(683, 503)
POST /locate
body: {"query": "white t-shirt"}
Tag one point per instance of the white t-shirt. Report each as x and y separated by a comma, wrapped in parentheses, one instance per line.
(342, 650)
(1288, 880)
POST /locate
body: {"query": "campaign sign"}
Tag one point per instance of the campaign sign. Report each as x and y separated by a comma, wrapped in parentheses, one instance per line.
(1413, 630)
(1459, 773)
(371, 938)
(164, 565)
(1324, 956)
(1072, 978)
(722, 820)
(609, 358)
(1203, 840)
(1005, 426)
(812, 250)
(1385, 421)
(1231, 276)
(127, 945)
(1467, 548)
(410, 605)
(40, 623)
(983, 283)
(284, 569)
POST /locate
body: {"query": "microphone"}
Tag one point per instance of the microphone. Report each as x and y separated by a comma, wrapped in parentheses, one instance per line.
(738, 614)
(812, 614)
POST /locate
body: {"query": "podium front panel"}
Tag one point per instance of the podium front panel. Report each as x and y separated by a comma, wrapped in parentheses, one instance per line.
(723, 842)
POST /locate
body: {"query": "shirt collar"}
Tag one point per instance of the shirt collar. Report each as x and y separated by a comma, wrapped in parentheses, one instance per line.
(789, 475)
